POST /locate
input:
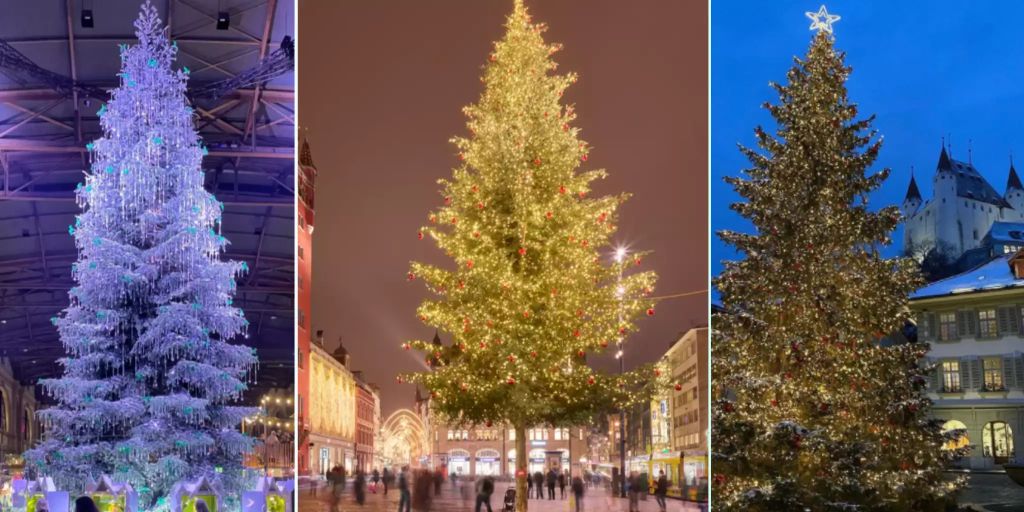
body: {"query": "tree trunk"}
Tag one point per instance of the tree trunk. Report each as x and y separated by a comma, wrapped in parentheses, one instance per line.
(521, 474)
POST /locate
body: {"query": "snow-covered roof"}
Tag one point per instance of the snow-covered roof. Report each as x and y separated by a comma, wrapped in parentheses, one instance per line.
(1007, 231)
(994, 275)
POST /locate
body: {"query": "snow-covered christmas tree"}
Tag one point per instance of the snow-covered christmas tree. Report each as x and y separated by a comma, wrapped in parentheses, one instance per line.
(149, 374)
(811, 411)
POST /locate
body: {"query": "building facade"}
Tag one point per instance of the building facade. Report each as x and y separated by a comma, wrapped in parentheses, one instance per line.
(688, 359)
(491, 451)
(961, 211)
(973, 324)
(304, 275)
(367, 414)
(332, 410)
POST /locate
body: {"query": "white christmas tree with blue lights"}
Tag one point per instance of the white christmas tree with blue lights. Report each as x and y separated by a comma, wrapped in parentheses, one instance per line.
(149, 376)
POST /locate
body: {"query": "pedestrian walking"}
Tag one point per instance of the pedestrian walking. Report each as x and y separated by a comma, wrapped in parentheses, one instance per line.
(634, 492)
(386, 479)
(485, 488)
(551, 481)
(529, 486)
(421, 491)
(375, 478)
(561, 485)
(661, 490)
(359, 487)
(334, 487)
(538, 483)
(404, 499)
(577, 493)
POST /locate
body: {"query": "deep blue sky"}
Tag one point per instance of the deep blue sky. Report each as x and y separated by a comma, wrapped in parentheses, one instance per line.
(926, 70)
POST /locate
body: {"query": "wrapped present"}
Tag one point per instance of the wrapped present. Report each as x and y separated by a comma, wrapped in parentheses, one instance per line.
(184, 495)
(270, 495)
(111, 496)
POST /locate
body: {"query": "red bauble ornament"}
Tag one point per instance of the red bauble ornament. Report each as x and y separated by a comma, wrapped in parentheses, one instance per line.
(522, 251)
(399, 379)
(469, 263)
(565, 127)
(604, 344)
(483, 345)
(462, 157)
(533, 354)
(511, 381)
(727, 407)
(455, 220)
(480, 206)
(406, 346)
(447, 200)
(511, 359)
(657, 372)
(581, 353)
(489, 423)
(463, 386)
(679, 387)
(410, 276)
(493, 58)
(526, 314)
(576, 334)
(549, 215)
(536, 161)
(636, 261)
(561, 189)
(584, 157)
(591, 380)
(650, 311)
(476, 234)
(583, 194)
(774, 402)
(419, 235)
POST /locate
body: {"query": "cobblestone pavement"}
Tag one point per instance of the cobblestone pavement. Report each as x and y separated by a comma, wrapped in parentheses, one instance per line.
(452, 500)
(993, 492)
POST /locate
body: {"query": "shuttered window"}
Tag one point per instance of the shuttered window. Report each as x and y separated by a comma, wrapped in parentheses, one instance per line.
(951, 376)
(987, 325)
(947, 326)
(993, 374)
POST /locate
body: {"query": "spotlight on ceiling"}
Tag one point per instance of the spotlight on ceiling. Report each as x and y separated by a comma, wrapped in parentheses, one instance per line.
(223, 20)
(87, 20)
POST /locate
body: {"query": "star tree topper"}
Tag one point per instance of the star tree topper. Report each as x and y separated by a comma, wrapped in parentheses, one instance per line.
(822, 20)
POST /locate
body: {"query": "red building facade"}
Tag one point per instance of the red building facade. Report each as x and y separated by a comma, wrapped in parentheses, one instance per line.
(304, 274)
(366, 425)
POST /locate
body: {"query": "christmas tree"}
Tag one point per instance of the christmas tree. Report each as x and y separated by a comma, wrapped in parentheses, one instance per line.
(812, 411)
(532, 290)
(149, 373)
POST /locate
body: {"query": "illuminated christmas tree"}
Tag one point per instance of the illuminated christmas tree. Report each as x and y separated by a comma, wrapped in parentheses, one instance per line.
(534, 287)
(811, 410)
(149, 373)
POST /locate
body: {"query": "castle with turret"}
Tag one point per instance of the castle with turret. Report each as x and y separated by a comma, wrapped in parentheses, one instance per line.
(963, 209)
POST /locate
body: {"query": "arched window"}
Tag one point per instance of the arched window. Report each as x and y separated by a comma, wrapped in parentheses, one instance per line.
(957, 443)
(997, 441)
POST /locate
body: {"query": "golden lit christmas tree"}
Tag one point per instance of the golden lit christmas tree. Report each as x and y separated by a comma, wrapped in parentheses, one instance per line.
(811, 412)
(533, 289)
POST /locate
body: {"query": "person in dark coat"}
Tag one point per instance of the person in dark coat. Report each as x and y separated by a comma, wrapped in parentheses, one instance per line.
(421, 491)
(661, 490)
(438, 480)
(552, 479)
(485, 488)
(403, 490)
(538, 483)
(561, 485)
(375, 479)
(359, 487)
(577, 492)
(529, 486)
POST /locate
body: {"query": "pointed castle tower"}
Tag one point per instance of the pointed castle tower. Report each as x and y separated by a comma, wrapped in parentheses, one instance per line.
(963, 207)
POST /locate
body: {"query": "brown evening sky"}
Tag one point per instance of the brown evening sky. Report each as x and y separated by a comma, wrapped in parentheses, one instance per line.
(381, 88)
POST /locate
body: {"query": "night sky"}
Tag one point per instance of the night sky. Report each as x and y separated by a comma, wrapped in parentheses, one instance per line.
(942, 69)
(382, 85)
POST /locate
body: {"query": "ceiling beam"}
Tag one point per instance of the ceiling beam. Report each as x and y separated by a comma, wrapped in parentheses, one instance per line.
(41, 146)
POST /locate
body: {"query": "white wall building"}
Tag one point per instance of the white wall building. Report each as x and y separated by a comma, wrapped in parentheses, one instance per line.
(973, 323)
(961, 211)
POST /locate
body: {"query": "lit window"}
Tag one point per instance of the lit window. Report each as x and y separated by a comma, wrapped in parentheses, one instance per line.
(993, 373)
(987, 325)
(947, 326)
(512, 435)
(951, 376)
